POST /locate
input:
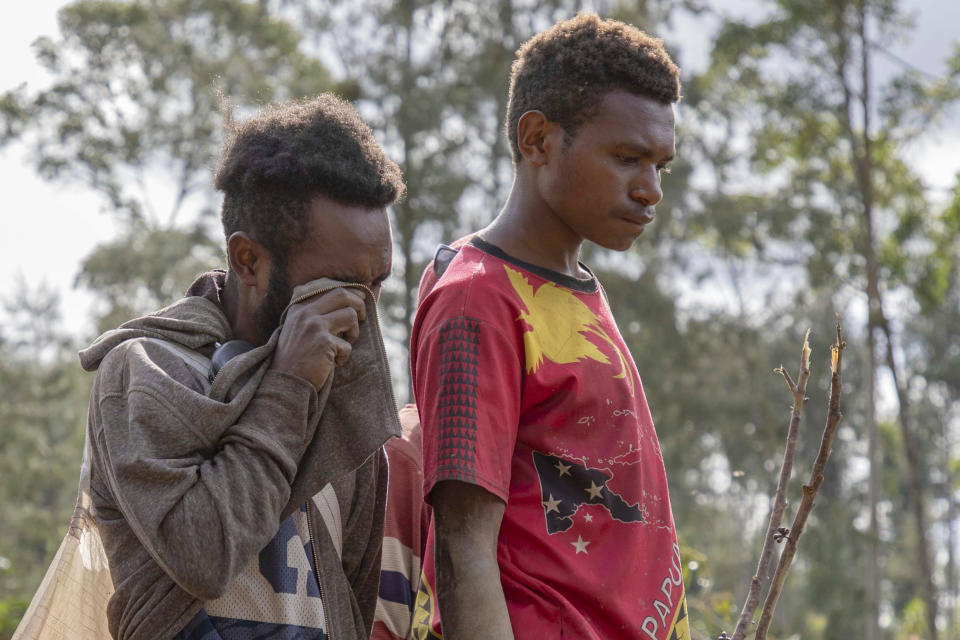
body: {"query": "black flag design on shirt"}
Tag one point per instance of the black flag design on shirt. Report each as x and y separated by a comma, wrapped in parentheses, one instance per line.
(565, 485)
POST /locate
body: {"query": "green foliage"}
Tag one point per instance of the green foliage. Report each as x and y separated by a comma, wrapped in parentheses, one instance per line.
(800, 154)
(146, 269)
(133, 111)
(936, 272)
(43, 395)
(783, 86)
(134, 93)
(914, 616)
(11, 611)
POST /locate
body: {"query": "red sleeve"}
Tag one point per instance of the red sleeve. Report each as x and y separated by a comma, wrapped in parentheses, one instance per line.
(467, 382)
(403, 536)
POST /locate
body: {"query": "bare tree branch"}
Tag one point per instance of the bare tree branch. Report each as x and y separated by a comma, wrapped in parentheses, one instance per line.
(834, 416)
(798, 390)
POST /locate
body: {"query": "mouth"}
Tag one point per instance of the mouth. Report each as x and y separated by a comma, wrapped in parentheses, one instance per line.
(638, 221)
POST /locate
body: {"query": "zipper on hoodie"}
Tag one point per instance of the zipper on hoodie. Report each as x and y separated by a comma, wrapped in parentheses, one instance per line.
(316, 570)
(383, 352)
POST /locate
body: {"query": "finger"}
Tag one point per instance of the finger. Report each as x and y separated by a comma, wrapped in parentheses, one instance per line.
(358, 301)
(338, 299)
(343, 351)
(343, 323)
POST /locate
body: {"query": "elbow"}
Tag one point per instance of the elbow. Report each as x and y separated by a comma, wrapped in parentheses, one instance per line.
(202, 564)
(210, 590)
(204, 586)
(205, 575)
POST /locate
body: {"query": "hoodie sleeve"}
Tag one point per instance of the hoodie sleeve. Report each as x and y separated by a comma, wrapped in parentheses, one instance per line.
(201, 488)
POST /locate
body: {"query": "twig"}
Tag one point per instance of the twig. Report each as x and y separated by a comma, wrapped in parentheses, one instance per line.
(780, 498)
(809, 490)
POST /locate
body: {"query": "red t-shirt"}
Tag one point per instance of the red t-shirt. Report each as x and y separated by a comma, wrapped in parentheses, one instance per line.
(526, 388)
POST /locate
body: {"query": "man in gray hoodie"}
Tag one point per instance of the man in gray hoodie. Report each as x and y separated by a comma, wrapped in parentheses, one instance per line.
(245, 499)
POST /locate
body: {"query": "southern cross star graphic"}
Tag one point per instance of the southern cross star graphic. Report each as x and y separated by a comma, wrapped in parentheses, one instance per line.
(580, 545)
(552, 505)
(565, 485)
(595, 492)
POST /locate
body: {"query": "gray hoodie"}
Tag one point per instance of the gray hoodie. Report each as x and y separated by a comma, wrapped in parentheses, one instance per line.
(190, 480)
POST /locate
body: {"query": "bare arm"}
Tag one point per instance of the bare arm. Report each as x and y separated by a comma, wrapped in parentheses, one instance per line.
(467, 522)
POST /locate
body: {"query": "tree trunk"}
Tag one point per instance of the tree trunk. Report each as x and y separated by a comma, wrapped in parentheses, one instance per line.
(914, 487)
(864, 165)
(499, 147)
(406, 226)
(872, 574)
(411, 280)
(951, 544)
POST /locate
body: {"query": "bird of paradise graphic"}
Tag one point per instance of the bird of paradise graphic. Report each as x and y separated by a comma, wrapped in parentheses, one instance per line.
(558, 327)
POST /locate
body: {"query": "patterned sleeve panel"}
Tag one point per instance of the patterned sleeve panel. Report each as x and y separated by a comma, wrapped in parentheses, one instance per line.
(468, 381)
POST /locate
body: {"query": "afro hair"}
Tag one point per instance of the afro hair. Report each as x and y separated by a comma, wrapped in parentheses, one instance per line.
(567, 70)
(274, 164)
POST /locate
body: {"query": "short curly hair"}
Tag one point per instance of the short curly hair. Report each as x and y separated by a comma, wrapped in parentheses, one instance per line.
(568, 69)
(275, 163)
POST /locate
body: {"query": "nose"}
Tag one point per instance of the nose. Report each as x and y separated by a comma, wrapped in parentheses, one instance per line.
(645, 187)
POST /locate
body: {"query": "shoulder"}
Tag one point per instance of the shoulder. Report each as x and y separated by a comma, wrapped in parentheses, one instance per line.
(435, 269)
(146, 363)
(147, 401)
(406, 452)
(474, 285)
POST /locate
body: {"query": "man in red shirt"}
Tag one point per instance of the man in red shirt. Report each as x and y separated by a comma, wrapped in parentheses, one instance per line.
(551, 517)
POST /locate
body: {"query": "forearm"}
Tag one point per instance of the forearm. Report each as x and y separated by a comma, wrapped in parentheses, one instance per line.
(470, 594)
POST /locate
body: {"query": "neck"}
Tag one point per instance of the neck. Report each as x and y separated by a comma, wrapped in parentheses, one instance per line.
(240, 315)
(528, 229)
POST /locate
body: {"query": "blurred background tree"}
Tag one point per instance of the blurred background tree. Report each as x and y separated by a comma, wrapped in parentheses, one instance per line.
(42, 423)
(792, 198)
(133, 112)
(829, 138)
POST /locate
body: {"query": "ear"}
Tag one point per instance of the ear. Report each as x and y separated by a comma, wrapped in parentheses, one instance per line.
(533, 130)
(249, 259)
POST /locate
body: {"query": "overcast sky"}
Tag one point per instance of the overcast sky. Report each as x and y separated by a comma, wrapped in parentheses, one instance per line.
(48, 227)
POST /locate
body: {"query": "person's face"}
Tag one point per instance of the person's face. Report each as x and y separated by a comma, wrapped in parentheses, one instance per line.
(605, 183)
(346, 243)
